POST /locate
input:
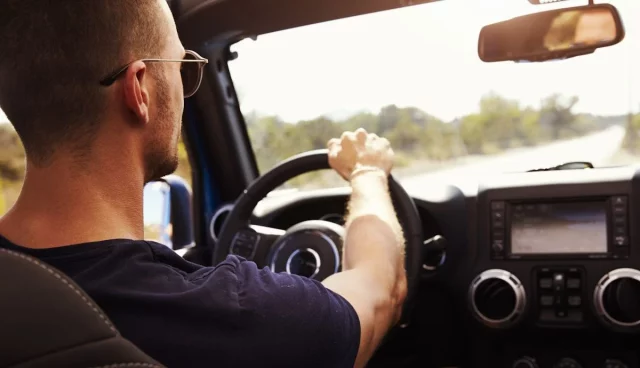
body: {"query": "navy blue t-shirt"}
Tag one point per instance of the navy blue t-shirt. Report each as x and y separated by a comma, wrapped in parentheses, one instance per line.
(231, 315)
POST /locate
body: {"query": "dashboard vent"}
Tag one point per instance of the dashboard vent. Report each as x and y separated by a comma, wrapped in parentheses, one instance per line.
(622, 300)
(495, 299)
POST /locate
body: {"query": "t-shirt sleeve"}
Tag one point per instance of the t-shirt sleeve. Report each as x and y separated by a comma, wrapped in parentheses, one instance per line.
(296, 321)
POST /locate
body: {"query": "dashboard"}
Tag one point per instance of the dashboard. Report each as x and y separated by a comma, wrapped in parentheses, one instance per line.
(540, 269)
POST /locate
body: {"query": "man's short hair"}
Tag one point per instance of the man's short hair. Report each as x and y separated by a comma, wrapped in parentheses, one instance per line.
(53, 55)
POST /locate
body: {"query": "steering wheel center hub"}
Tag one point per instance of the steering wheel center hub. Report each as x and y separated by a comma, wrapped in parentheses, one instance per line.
(311, 249)
(304, 262)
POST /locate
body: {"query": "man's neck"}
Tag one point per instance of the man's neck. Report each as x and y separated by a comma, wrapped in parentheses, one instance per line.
(65, 204)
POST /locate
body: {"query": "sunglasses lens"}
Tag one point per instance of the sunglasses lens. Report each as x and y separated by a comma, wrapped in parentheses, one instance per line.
(190, 76)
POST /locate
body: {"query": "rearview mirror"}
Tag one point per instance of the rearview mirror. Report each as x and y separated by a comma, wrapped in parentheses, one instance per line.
(553, 34)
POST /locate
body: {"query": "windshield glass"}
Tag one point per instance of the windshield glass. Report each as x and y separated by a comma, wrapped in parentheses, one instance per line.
(413, 76)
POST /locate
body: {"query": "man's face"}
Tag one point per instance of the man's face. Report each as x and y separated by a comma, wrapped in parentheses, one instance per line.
(166, 107)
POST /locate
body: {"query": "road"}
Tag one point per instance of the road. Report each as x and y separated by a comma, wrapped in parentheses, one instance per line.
(596, 148)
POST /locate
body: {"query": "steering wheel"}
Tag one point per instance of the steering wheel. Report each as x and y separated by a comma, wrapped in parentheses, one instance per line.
(310, 248)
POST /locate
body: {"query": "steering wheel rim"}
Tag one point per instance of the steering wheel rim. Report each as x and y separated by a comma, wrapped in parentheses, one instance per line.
(309, 161)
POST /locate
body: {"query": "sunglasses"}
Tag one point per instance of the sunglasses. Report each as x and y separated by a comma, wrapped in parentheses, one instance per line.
(190, 70)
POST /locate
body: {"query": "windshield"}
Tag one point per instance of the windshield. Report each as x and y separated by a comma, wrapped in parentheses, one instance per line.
(413, 76)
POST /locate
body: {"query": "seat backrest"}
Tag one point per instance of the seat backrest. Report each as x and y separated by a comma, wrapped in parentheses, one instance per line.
(46, 320)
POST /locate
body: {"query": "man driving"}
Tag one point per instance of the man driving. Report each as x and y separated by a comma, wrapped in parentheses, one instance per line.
(95, 90)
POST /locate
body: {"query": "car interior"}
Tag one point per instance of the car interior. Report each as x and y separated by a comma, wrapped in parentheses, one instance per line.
(526, 269)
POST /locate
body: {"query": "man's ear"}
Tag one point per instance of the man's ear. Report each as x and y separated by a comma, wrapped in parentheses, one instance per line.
(136, 92)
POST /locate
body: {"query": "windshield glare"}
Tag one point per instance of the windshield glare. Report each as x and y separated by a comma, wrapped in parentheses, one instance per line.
(413, 76)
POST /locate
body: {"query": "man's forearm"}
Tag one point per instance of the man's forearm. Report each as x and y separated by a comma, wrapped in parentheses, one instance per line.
(374, 236)
(373, 280)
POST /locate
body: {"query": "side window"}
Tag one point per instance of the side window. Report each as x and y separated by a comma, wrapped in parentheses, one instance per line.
(12, 165)
(12, 169)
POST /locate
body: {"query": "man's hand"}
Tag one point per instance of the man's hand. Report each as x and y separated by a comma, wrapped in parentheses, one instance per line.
(359, 151)
(373, 279)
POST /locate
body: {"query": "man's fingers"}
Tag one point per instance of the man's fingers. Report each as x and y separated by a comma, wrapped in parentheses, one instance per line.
(332, 142)
(334, 149)
(361, 135)
(348, 136)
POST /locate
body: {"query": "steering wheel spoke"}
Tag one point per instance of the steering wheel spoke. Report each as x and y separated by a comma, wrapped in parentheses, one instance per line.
(250, 242)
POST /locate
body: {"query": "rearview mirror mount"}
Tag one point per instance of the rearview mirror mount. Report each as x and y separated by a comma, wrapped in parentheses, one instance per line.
(553, 34)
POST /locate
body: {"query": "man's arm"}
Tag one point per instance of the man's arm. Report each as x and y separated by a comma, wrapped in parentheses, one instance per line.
(373, 280)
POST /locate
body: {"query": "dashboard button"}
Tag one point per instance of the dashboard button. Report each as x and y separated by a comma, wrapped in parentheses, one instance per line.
(497, 205)
(547, 315)
(620, 220)
(545, 283)
(574, 316)
(620, 230)
(575, 301)
(573, 283)
(619, 200)
(546, 300)
(618, 211)
(620, 240)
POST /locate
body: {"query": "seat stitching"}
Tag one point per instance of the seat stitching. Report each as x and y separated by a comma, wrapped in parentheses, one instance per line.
(122, 365)
(64, 281)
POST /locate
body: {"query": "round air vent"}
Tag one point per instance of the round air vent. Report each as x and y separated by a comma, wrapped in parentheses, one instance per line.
(617, 298)
(497, 298)
(218, 220)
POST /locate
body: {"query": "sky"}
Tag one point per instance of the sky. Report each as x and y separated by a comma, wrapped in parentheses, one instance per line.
(424, 56)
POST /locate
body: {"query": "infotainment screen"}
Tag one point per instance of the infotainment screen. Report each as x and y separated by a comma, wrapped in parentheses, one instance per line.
(555, 228)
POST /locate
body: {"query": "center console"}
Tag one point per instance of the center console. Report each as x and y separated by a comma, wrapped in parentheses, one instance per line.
(555, 261)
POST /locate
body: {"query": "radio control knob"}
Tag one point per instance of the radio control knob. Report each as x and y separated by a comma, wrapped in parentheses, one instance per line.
(525, 362)
(497, 246)
(567, 363)
(617, 298)
(435, 253)
(497, 298)
(614, 363)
